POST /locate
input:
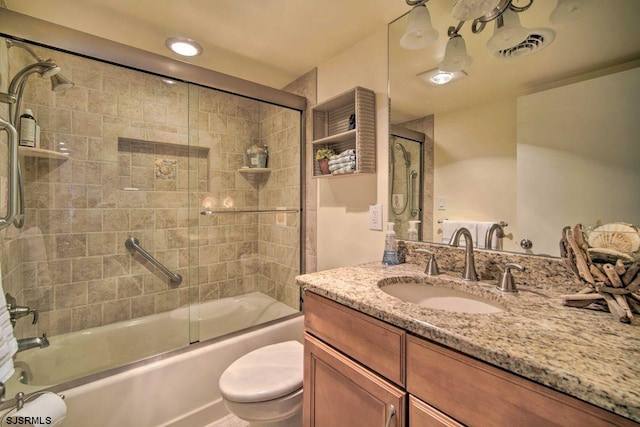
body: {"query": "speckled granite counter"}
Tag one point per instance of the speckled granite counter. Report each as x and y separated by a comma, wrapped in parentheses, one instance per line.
(584, 353)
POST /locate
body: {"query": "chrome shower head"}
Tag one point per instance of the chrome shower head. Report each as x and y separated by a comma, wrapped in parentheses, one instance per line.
(60, 83)
(44, 68)
(405, 154)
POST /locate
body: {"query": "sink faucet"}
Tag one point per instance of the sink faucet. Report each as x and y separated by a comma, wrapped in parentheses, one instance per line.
(469, 272)
(27, 343)
(488, 238)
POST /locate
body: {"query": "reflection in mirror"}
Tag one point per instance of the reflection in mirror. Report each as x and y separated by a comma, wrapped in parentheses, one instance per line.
(537, 141)
(405, 182)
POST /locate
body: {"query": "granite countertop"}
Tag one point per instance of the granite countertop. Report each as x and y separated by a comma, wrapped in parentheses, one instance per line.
(583, 353)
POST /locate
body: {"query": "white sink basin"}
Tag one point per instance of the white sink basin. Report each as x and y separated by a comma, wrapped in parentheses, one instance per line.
(440, 298)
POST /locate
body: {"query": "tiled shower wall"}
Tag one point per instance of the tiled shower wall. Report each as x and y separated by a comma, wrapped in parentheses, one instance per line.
(127, 174)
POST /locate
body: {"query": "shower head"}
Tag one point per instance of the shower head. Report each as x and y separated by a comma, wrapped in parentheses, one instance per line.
(50, 69)
(407, 161)
(44, 68)
(60, 83)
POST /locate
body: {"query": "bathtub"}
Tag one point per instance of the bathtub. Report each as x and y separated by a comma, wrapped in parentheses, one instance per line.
(179, 390)
(77, 354)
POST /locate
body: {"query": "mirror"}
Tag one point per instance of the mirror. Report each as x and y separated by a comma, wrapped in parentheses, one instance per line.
(540, 141)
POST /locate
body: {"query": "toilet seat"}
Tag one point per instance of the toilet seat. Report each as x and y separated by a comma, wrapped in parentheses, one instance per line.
(264, 374)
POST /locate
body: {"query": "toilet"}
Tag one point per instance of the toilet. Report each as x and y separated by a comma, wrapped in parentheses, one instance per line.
(264, 387)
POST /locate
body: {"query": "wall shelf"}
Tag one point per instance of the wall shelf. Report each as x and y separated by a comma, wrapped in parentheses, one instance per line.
(42, 154)
(331, 128)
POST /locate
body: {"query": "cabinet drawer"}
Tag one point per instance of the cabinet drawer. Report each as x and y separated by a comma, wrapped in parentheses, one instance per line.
(423, 415)
(478, 394)
(372, 342)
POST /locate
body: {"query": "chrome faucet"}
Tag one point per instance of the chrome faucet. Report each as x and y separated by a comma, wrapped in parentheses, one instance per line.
(27, 343)
(469, 272)
(488, 238)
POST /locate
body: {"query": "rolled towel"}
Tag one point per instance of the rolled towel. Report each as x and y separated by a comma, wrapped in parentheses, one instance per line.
(337, 166)
(342, 160)
(345, 169)
(349, 152)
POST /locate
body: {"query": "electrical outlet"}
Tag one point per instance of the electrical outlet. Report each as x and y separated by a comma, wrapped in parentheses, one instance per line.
(375, 217)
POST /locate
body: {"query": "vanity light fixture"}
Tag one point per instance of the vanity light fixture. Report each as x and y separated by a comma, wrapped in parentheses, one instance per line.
(439, 77)
(183, 46)
(509, 36)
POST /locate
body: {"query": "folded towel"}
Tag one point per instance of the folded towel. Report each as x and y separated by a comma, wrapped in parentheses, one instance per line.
(8, 343)
(345, 169)
(336, 166)
(345, 153)
(342, 160)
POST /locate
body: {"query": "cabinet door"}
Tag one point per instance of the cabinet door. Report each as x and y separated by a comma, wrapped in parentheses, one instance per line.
(339, 392)
(423, 415)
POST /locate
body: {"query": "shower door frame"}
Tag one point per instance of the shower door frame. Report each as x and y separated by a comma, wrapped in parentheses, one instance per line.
(22, 27)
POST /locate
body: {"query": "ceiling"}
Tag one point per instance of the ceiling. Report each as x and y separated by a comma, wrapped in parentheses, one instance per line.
(271, 42)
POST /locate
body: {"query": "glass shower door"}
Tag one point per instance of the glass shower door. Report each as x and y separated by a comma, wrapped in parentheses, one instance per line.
(247, 212)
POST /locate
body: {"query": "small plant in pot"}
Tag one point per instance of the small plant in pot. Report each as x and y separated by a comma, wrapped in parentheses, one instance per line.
(322, 156)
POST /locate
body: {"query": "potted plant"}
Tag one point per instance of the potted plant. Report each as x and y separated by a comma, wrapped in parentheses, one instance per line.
(322, 156)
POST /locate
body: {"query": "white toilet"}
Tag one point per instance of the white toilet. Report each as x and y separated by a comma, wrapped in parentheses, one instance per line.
(264, 387)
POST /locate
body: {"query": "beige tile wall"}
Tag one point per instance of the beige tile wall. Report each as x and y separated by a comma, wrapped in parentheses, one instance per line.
(131, 172)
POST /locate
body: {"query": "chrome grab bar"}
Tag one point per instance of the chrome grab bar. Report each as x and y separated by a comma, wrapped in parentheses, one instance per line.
(18, 221)
(12, 200)
(414, 210)
(133, 245)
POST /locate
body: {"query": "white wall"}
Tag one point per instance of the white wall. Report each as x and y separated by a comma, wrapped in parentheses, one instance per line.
(580, 144)
(475, 166)
(344, 237)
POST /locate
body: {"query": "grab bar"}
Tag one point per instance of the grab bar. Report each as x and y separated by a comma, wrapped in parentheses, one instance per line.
(18, 221)
(412, 207)
(133, 244)
(12, 200)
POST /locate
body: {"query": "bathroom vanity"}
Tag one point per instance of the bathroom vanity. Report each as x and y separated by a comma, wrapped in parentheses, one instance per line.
(372, 359)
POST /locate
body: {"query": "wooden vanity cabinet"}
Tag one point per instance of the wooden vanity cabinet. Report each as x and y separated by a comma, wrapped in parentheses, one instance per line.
(342, 393)
(356, 367)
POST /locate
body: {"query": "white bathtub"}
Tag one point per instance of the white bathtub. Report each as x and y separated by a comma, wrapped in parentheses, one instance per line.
(78, 354)
(175, 391)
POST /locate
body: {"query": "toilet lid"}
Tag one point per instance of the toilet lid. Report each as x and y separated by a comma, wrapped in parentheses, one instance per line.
(264, 374)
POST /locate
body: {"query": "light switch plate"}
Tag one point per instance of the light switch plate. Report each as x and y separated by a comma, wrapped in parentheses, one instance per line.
(375, 217)
(442, 204)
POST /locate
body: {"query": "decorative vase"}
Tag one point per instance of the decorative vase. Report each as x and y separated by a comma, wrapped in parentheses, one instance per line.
(324, 166)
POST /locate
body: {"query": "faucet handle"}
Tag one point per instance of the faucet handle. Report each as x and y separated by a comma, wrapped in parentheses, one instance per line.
(506, 283)
(432, 265)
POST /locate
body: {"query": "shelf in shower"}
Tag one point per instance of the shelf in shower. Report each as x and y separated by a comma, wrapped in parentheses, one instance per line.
(43, 154)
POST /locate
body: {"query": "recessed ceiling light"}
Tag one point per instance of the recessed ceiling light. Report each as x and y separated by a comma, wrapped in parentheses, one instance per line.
(183, 46)
(438, 77)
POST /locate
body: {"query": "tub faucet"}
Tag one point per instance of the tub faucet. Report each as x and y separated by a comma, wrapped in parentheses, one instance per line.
(469, 272)
(27, 343)
(16, 312)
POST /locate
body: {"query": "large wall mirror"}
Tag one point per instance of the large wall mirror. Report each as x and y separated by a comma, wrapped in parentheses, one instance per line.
(540, 140)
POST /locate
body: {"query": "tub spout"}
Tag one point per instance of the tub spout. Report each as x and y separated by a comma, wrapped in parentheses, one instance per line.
(27, 343)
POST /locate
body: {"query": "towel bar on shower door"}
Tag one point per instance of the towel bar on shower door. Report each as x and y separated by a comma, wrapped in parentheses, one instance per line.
(133, 244)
